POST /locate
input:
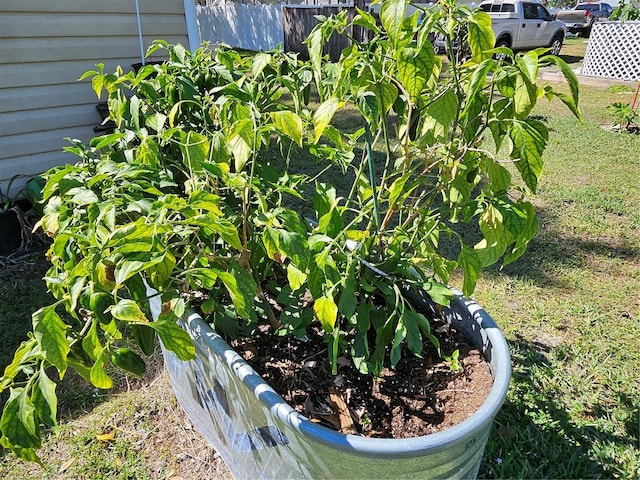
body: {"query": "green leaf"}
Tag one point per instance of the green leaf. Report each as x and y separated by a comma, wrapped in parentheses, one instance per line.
(223, 227)
(156, 121)
(98, 376)
(290, 124)
(412, 324)
(50, 332)
(91, 343)
(499, 176)
(281, 244)
(315, 45)
(323, 115)
(496, 237)
(326, 311)
(527, 224)
(439, 293)
(82, 196)
(241, 287)
(400, 335)
(439, 116)
(331, 223)
(526, 95)
(128, 311)
(392, 14)
(44, 399)
(18, 423)
(28, 349)
(81, 368)
(127, 268)
(240, 141)
(481, 36)
(471, 266)
(528, 63)
(206, 277)
(195, 150)
(348, 302)
(529, 141)
(175, 339)
(572, 81)
(415, 67)
(477, 84)
(386, 94)
(134, 112)
(425, 326)
(260, 61)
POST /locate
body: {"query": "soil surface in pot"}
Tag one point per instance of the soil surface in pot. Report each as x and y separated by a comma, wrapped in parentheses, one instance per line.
(419, 397)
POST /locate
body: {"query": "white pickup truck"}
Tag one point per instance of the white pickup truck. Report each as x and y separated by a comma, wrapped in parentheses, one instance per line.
(524, 25)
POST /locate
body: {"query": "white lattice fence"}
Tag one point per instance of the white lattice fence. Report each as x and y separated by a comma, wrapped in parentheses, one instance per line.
(613, 51)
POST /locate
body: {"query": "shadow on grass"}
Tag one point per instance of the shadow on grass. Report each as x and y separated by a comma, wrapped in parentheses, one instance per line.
(534, 435)
(553, 249)
(571, 59)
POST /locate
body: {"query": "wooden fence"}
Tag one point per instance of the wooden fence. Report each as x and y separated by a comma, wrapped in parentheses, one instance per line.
(299, 20)
(263, 27)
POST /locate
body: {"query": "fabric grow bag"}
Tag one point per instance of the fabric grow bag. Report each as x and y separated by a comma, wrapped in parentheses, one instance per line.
(259, 435)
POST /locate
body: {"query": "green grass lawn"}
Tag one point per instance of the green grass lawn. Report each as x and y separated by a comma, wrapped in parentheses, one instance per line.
(570, 309)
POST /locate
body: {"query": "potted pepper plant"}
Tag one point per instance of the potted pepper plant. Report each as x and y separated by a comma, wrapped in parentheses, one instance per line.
(194, 222)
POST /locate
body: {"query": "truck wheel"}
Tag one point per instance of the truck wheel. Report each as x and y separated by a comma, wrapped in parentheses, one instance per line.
(586, 32)
(501, 56)
(556, 45)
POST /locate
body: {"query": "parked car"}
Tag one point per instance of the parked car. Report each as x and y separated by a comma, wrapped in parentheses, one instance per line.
(581, 18)
(522, 25)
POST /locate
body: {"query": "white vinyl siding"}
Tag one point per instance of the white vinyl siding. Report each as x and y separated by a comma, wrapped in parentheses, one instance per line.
(45, 46)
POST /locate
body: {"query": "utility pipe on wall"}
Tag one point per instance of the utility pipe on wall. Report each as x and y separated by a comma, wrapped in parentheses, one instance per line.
(140, 33)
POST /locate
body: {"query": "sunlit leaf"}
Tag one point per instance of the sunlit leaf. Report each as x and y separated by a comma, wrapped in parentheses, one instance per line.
(322, 117)
(290, 124)
(326, 312)
(295, 277)
(481, 36)
(392, 14)
(128, 311)
(242, 289)
(529, 141)
(98, 376)
(415, 67)
(175, 339)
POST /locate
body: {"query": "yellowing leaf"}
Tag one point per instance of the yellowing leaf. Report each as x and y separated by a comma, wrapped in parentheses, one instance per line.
(326, 312)
(295, 277)
(323, 115)
(290, 124)
(107, 436)
(128, 311)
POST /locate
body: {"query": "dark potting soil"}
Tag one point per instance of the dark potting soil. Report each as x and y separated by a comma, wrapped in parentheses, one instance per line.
(420, 396)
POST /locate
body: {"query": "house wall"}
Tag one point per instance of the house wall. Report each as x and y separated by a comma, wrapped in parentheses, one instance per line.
(45, 46)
